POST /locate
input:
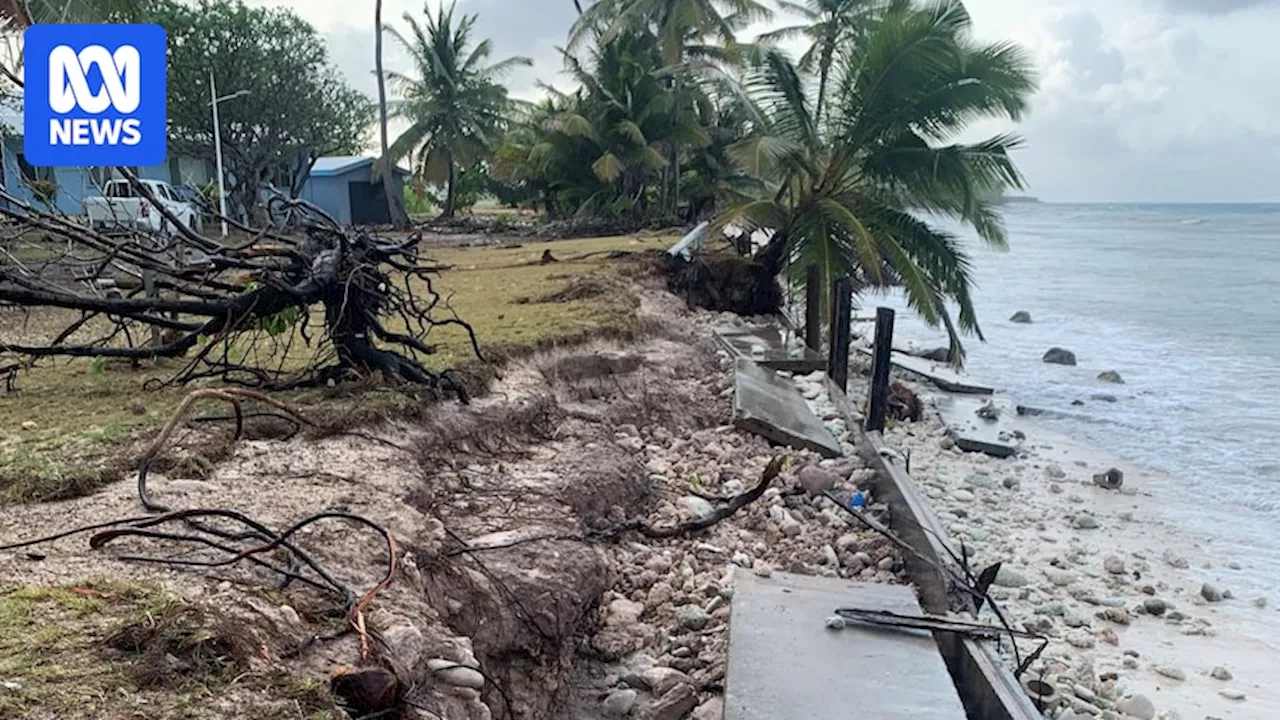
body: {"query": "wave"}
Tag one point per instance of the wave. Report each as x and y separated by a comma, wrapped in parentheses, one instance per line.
(1193, 221)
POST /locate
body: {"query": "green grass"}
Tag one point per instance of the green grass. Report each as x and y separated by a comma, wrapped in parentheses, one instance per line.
(83, 419)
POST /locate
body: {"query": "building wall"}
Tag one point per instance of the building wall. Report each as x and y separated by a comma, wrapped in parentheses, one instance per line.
(329, 194)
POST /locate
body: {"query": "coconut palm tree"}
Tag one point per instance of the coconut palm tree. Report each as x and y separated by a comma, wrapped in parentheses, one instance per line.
(846, 189)
(829, 26)
(454, 104)
(395, 204)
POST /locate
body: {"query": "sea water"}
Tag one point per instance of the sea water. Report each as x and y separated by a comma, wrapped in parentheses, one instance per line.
(1184, 302)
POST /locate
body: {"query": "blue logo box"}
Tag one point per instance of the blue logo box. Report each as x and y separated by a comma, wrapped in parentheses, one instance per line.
(94, 95)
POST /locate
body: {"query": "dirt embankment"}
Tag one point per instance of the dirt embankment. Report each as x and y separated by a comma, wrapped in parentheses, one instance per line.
(513, 596)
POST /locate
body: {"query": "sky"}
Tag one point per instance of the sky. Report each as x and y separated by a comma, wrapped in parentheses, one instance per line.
(1139, 100)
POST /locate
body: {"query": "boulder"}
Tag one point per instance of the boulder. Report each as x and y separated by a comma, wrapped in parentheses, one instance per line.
(1111, 376)
(817, 480)
(1059, 356)
(674, 704)
(941, 355)
(1022, 317)
(1109, 480)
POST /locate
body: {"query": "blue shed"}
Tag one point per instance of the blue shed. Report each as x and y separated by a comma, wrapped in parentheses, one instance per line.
(343, 187)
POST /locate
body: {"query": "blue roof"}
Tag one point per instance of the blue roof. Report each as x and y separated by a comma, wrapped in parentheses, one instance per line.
(342, 164)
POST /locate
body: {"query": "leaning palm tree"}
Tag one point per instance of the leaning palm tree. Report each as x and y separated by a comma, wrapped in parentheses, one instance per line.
(846, 190)
(455, 107)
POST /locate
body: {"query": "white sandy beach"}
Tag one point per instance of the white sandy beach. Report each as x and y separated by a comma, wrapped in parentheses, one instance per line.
(1085, 586)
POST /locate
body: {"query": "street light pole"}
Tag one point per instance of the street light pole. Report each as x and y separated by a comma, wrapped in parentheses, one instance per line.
(217, 151)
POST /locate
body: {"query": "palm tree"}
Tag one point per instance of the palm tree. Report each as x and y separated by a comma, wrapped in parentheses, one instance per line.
(846, 188)
(395, 204)
(455, 106)
(830, 25)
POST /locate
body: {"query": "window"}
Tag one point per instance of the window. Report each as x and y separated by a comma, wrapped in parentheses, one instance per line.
(119, 189)
(100, 176)
(31, 173)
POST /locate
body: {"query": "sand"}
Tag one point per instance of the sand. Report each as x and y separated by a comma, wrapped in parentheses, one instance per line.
(1073, 572)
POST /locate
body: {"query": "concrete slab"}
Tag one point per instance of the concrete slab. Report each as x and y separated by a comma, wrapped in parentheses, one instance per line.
(770, 346)
(783, 662)
(939, 374)
(770, 406)
(975, 434)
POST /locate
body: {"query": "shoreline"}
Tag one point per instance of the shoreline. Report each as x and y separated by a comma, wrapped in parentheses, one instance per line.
(1060, 574)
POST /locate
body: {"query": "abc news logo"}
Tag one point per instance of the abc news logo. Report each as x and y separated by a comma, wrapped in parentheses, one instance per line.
(95, 95)
(69, 89)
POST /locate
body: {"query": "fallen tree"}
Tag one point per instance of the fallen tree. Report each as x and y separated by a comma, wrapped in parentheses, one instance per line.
(216, 306)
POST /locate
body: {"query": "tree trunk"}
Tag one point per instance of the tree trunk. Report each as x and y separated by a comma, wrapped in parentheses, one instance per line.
(395, 201)
(451, 192)
(549, 201)
(824, 73)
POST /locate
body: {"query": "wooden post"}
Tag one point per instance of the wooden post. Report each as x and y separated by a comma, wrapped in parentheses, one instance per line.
(813, 308)
(883, 352)
(838, 364)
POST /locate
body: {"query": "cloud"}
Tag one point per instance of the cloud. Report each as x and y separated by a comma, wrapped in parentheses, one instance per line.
(1214, 7)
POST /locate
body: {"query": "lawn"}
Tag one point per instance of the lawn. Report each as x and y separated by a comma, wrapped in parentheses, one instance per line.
(66, 430)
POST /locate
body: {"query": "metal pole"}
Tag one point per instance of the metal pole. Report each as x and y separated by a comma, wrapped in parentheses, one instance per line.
(217, 150)
(883, 353)
(841, 319)
(813, 308)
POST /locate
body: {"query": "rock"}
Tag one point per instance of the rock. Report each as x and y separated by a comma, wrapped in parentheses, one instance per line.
(1170, 672)
(1174, 560)
(1155, 606)
(1260, 602)
(846, 541)
(1111, 376)
(1061, 578)
(829, 556)
(1113, 565)
(1210, 593)
(692, 617)
(619, 703)
(947, 443)
(1230, 694)
(1119, 616)
(1139, 706)
(1055, 488)
(989, 411)
(789, 525)
(30, 425)
(1010, 578)
(660, 679)
(1130, 664)
(1011, 483)
(1109, 480)
(1074, 619)
(1022, 317)
(939, 355)
(1058, 356)
(980, 481)
(712, 709)
(674, 704)
(1220, 673)
(1055, 472)
(1080, 638)
(700, 508)
(1085, 521)
(1104, 397)
(963, 496)
(450, 672)
(817, 480)
(835, 622)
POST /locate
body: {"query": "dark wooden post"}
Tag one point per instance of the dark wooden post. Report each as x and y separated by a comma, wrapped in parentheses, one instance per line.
(883, 353)
(842, 302)
(813, 308)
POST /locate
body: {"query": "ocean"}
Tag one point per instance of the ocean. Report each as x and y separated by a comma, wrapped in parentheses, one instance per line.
(1184, 302)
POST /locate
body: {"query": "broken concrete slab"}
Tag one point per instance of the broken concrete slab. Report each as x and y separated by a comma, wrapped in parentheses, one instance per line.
(770, 346)
(939, 374)
(771, 407)
(784, 662)
(974, 433)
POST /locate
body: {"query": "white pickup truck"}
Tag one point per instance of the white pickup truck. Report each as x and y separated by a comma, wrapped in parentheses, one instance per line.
(120, 207)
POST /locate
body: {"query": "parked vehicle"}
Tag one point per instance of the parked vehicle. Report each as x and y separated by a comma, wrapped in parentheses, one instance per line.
(120, 206)
(191, 195)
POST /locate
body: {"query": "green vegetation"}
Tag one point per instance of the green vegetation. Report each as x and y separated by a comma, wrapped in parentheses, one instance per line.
(454, 103)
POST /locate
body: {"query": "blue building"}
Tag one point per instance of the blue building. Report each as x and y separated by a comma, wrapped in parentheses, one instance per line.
(74, 184)
(343, 187)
